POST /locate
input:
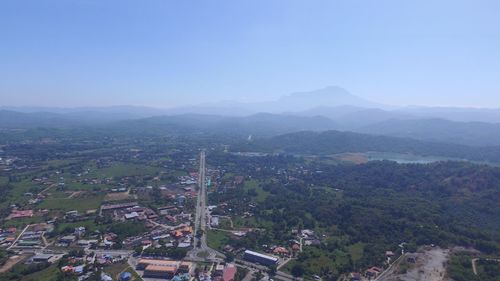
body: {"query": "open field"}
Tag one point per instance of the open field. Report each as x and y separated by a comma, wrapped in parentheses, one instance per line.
(261, 193)
(356, 251)
(114, 271)
(430, 266)
(11, 262)
(47, 274)
(217, 239)
(122, 169)
(80, 204)
(318, 261)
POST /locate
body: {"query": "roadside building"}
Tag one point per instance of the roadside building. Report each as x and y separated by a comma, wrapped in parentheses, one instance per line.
(185, 267)
(143, 263)
(68, 239)
(42, 258)
(229, 272)
(160, 271)
(259, 258)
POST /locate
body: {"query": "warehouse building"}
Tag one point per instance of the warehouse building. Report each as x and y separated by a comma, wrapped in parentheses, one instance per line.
(259, 258)
(160, 271)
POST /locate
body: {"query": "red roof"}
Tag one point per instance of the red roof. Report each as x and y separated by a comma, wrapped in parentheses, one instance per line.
(229, 273)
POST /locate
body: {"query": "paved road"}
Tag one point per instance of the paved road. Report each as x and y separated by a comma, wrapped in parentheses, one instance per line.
(207, 253)
(19, 237)
(390, 269)
(256, 267)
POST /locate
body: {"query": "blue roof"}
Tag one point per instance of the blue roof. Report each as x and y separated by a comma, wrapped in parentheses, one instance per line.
(125, 275)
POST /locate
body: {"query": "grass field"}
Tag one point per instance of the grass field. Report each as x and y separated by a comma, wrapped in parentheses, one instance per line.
(80, 204)
(317, 261)
(122, 170)
(22, 222)
(88, 224)
(251, 222)
(48, 274)
(261, 194)
(217, 239)
(356, 251)
(114, 271)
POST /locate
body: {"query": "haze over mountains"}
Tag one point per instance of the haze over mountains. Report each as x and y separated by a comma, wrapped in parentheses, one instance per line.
(330, 108)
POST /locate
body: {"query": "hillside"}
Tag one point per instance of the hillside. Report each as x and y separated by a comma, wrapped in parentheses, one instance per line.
(332, 142)
(439, 130)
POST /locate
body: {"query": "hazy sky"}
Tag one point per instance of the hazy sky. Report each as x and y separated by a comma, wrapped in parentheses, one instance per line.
(167, 53)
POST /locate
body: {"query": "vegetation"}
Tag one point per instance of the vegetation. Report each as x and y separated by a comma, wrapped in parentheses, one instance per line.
(460, 268)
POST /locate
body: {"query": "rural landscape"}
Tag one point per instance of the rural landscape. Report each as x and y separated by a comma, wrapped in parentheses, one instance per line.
(262, 140)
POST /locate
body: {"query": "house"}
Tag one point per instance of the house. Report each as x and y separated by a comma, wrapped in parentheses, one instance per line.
(105, 277)
(79, 269)
(131, 215)
(185, 267)
(86, 243)
(214, 221)
(125, 276)
(15, 214)
(354, 276)
(373, 272)
(80, 231)
(68, 239)
(219, 269)
(73, 213)
(282, 251)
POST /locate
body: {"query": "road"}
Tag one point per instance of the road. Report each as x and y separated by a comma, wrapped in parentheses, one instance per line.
(203, 252)
(19, 237)
(201, 249)
(390, 269)
(474, 267)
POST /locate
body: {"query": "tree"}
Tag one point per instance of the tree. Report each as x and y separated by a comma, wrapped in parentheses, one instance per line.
(229, 257)
(297, 270)
(272, 270)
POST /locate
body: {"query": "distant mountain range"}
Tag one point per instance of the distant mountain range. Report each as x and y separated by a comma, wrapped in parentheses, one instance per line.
(325, 109)
(438, 130)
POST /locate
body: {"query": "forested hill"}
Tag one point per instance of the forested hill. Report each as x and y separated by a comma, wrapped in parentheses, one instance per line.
(332, 142)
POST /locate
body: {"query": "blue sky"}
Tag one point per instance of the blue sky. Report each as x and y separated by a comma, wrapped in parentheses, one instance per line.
(168, 53)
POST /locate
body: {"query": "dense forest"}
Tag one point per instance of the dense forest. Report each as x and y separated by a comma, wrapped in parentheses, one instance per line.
(378, 205)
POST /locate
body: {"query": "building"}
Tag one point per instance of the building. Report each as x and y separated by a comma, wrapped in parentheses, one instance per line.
(42, 258)
(160, 271)
(79, 231)
(214, 221)
(185, 267)
(259, 258)
(219, 269)
(143, 263)
(125, 276)
(21, 214)
(354, 276)
(229, 272)
(68, 239)
(373, 272)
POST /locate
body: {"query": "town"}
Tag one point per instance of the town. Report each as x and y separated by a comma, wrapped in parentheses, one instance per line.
(166, 209)
(90, 218)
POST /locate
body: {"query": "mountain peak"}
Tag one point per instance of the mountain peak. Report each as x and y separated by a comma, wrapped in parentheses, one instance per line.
(328, 91)
(330, 96)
